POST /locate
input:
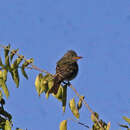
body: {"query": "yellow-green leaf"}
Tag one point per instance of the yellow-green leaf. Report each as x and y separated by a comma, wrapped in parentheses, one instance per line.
(63, 125)
(7, 63)
(73, 108)
(24, 72)
(126, 119)
(108, 125)
(5, 89)
(79, 105)
(1, 64)
(59, 94)
(27, 62)
(44, 85)
(124, 126)
(38, 83)
(12, 53)
(64, 98)
(1, 95)
(94, 117)
(47, 94)
(50, 84)
(6, 50)
(15, 76)
(18, 129)
(1, 78)
(17, 61)
(5, 71)
(7, 125)
(1, 74)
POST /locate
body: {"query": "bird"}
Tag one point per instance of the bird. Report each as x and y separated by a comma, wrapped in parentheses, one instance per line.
(66, 69)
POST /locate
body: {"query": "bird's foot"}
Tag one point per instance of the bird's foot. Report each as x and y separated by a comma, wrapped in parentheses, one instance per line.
(66, 83)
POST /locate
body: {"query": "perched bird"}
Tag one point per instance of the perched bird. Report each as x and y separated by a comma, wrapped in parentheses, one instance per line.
(66, 69)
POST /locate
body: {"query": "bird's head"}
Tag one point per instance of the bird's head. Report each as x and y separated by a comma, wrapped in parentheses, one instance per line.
(72, 55)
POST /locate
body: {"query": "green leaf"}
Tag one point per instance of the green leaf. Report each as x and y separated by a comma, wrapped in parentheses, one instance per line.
(73, 108)
(59, 94)
(44, 85)
(126, 119)
(63, 125)
(1, 96)
(12, 53)
(7, 63)
(1, 78)
(6, 50)
(1, 74)
(17, 61)
(15, 76)
(64, 97)
(7, 125)
(38, 83)
(18, 129)
(94, 117)
(108, 125)
(5, 89)
(124, 126)
(79, 105)
(1, 64)
(24, 72)
(27, 62)
(5, 72)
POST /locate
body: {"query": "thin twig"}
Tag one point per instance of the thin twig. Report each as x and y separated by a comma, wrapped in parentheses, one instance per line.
(38, 69)
(83, 100)
(80, 123)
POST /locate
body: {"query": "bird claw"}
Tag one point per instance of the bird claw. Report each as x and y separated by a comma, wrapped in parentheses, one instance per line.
(67, 83)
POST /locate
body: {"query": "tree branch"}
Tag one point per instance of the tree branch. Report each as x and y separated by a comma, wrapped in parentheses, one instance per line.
(85, 103)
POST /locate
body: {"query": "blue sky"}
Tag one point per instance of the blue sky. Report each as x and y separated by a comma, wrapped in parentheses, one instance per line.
(98, 30)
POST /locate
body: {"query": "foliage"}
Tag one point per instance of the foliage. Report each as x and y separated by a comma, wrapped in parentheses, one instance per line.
(43, 83)
(10, 65)
(127, 120)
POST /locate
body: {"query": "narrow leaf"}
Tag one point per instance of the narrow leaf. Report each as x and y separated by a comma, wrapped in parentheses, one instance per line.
(12, 53)
(124, 126)
(94, 117)
(6, 50)
(1, 64)
(7, 125)
(108, 125)
(7, 63)
(27, 62)
(64, 98)
(79, 105)
(5, 89)
(38, 83)
(126, 119)
(24, 72)
(59, 94)
(1, 95)
(5, 71)
(63, 125)
(73, 108)
(15, 76)
(44, 85)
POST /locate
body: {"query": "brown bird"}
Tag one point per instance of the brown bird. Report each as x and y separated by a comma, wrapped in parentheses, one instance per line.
(66, 69)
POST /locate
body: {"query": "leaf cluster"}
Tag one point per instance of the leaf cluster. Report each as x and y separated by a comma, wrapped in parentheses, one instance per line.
(12, 65)
(44, 83)
(127, 120)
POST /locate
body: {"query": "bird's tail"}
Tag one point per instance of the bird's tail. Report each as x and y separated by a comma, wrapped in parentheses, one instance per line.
(57, 82)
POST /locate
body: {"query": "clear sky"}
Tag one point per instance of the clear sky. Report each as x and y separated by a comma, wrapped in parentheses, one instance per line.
(98, 30)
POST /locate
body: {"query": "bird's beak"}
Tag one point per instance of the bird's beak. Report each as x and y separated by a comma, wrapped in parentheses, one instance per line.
(77, 57)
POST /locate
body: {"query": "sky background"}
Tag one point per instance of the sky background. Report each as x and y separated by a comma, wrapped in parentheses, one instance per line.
(98, 30)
